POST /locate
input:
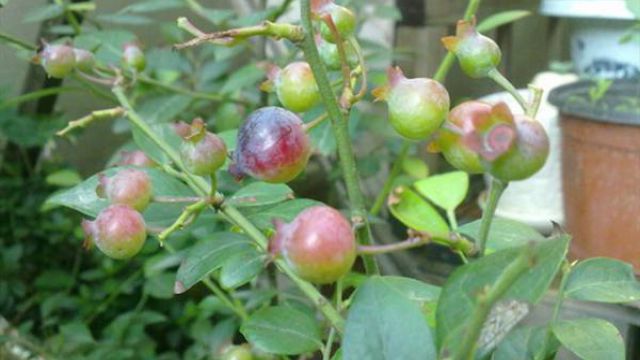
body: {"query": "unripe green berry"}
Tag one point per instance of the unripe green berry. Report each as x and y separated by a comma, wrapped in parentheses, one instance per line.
(330, 55)
(417, 107)
(343, 18)
(133, 57)
(296, 87)
(84, 60)
(202, 152)
(58, 60)
(478, 55)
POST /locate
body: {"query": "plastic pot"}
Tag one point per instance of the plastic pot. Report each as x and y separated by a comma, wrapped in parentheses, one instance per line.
(597, 26)
(601, 169)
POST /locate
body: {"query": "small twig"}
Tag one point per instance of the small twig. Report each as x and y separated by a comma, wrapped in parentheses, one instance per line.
(347, 92)
(186, 217)
(536, 99)
(409, 243)
(496, 76)
(94, 116)
(176, 199)
(388, 184)
(363, 70)
(233, 36)
(315, 122)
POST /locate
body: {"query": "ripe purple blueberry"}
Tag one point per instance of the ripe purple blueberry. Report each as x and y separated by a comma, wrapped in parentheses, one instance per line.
(478, 55)
(57, 60)
(202, 152)
(417, 107)
(131, 187)
(118, 231)
(272, 146)
(318, 244)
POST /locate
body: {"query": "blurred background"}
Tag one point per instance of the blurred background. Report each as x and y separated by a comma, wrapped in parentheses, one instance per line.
(58, 300)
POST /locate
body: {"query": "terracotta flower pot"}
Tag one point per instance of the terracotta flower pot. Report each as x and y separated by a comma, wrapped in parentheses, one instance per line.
(601, 169)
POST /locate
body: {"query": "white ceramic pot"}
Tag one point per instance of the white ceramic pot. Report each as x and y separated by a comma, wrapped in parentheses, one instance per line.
(538, 200)
(596, 29)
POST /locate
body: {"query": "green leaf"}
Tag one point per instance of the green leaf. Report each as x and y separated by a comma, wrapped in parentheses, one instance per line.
(83, 198)
(162, 109)
(107, 44)
(64, 178)
(42, 13)
(241, 268)
(501, 18)
(208, 255)
(262, 216)
(603, 280)
(415, 167)
(125, 19)
(459, 294)
(383, 324)
(525, 343)
(504, 233)
(282, 330)
(242, 78)
(591, 339)
(260, 193)
(153, 6)
(160, 285)
(416, 213)
(445, 190)
(413, 289)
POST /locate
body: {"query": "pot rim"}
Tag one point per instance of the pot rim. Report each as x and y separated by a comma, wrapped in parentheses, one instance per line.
(573, 99)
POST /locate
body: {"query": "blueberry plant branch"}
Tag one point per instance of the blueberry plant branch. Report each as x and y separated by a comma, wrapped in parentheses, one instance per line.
(388, 184)
(340, 129)
(232, 214)
(417, 239)
(233, 36)
(487, 299)
(566, 269)
(94, 116)
(495, 191)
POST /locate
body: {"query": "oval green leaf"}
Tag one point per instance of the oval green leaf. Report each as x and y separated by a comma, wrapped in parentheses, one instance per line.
(445, 190)
(383, 324)
(282, 330)
(603, 280)
(260, 193)
(591, 339)
(208, 255)
(416, 213)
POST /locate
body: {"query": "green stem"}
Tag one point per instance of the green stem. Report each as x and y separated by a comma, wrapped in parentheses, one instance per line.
(495, 191)
(496, 76)
(453, 222)
(230, 37)
(189, 213)
(486, 301)
(566, 269)
(36, 95)
(395, 171)
(235, 306)
(20, 43)
(94, 116)
(340, 128)
(535, 101)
